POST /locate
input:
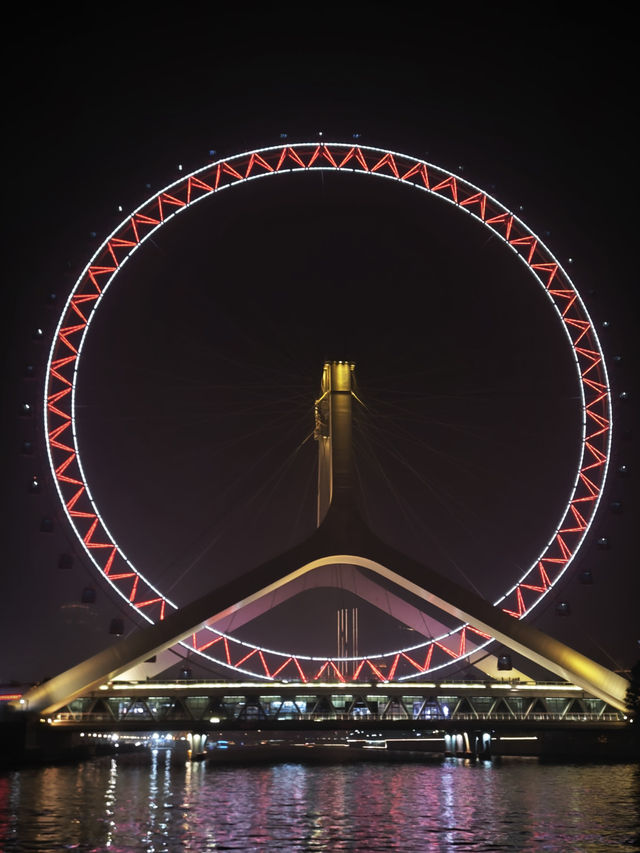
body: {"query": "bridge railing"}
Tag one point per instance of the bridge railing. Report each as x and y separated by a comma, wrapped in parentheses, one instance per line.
(578, 717)
(94, 717)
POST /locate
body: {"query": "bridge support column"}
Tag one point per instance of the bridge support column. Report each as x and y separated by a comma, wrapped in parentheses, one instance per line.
(458, 744)
(482, 745)
(197, 746)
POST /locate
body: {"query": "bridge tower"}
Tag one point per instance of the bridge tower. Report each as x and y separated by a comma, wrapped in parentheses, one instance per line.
(333, 432)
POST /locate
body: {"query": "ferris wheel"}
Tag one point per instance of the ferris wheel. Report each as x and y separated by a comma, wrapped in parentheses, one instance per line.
(136, 585)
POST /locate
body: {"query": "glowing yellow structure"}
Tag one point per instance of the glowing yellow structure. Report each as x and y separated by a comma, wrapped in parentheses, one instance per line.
(341, 539)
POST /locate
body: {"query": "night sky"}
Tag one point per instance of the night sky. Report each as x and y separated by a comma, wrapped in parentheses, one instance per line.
(195, 398)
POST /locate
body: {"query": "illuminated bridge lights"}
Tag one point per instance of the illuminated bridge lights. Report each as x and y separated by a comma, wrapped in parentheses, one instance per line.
(221, 703)
(69, 338)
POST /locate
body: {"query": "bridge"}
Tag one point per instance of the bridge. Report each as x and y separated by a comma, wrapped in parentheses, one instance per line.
(224, 705)
(100, 692)
(464, 718)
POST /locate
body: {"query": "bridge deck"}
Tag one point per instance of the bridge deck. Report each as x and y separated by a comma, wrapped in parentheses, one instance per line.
(218, 705)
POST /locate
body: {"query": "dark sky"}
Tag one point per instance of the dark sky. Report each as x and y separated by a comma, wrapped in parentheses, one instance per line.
(205, 357)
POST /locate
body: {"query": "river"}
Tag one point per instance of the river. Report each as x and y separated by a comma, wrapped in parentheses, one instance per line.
(156, 802)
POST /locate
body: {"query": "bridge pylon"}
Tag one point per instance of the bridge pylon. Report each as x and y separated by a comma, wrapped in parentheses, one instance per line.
(342, 538)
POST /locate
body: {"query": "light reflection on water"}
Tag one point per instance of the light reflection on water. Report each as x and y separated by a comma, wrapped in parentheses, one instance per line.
(122, 804)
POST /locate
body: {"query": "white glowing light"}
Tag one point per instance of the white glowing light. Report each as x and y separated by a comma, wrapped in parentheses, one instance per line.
(545, 687)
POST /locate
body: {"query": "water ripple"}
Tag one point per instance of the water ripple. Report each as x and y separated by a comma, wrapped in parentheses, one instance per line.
(112, 805)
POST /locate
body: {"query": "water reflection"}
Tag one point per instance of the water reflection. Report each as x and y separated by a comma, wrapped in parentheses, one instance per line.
(161, 803)
(110, 800)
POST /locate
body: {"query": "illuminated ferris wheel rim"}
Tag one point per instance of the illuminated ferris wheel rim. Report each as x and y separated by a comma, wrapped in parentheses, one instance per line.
(80, 308)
